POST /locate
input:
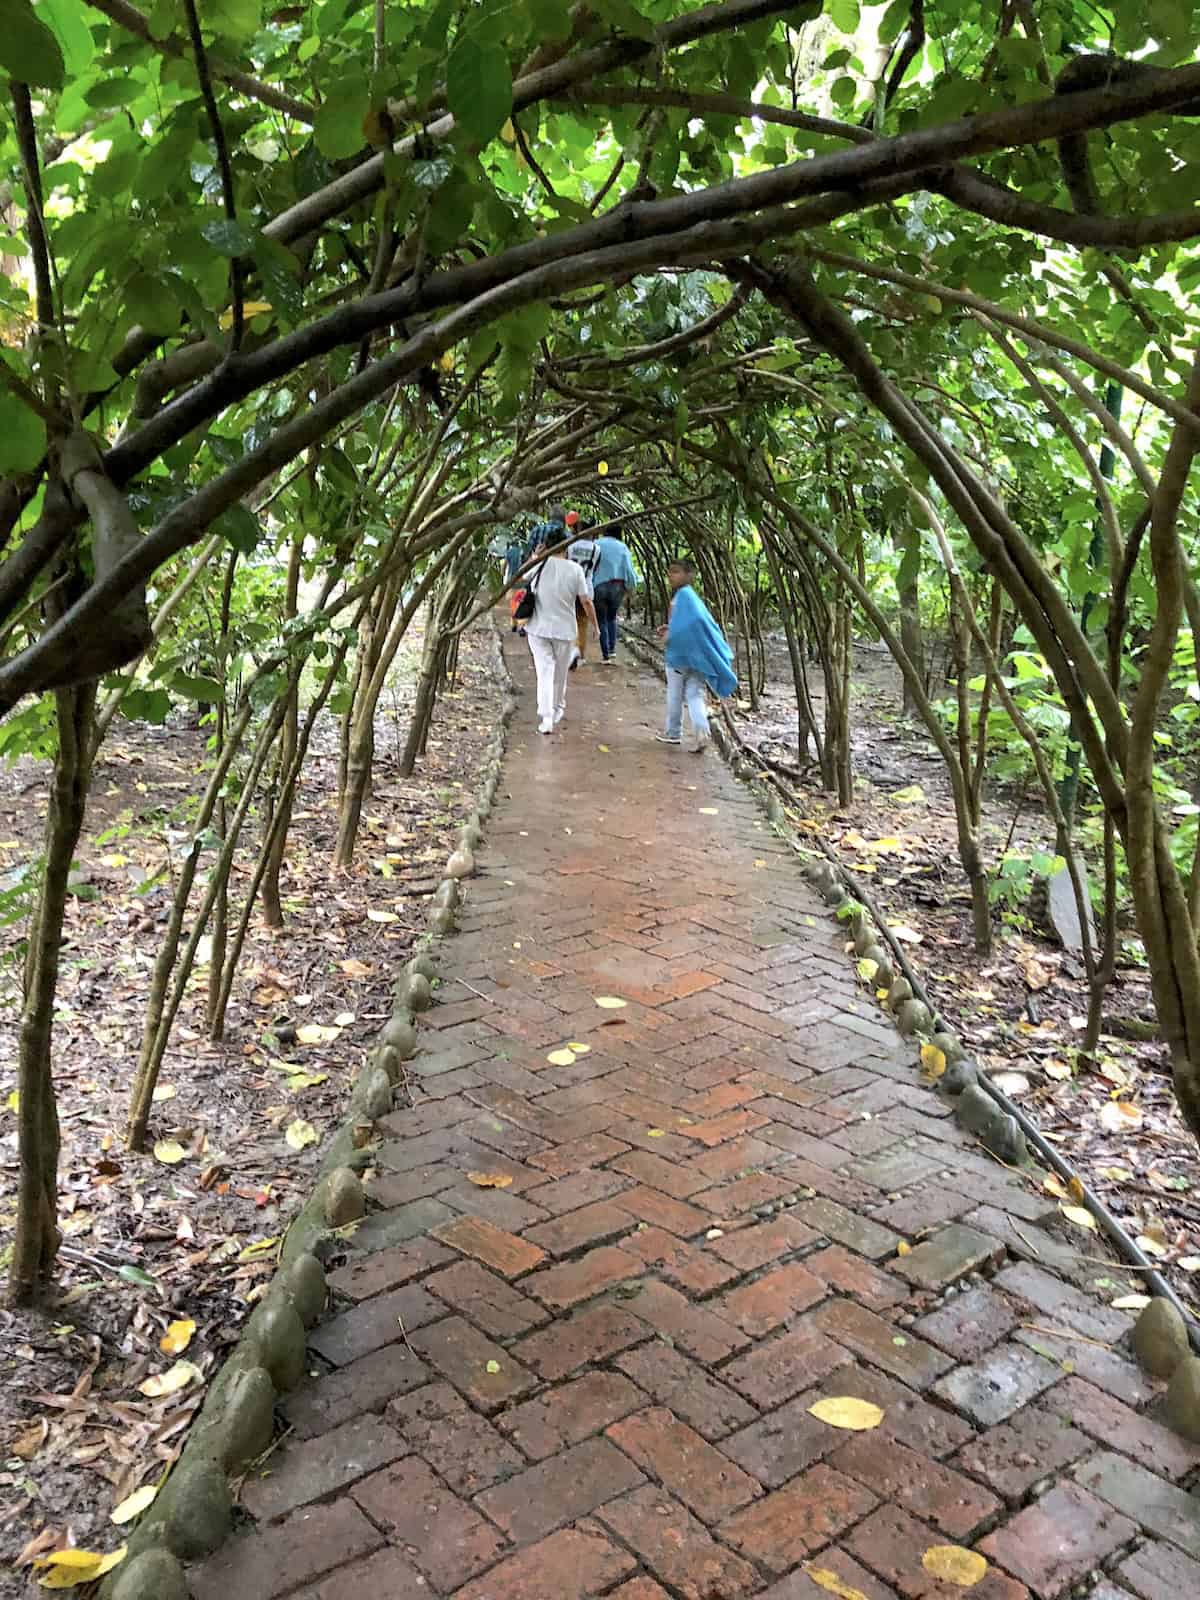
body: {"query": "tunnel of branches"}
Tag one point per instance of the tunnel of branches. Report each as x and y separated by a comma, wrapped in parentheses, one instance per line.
(882, 314)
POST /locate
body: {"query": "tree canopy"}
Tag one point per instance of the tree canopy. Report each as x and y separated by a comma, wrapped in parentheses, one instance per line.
(301, 304)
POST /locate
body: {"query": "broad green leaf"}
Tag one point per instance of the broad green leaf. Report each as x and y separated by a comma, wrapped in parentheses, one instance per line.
(68, 21)
(844, 14)
(338, 129)
(29, 51)
(151, 302)
(227, 237)
(479, 88)
(22, 434)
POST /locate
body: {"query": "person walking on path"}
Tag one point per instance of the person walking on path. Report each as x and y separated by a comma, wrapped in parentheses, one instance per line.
(584, 552)
(696, 655)
(552, 531)
(614, 578)
(557, 585)
(512, 557)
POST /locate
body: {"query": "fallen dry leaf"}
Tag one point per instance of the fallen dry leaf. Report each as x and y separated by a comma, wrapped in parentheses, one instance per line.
(609, 1002)
(177, 1337)
(300, 1134)
(67, 1569)
(708, 811)
(933, 1061)
(1131, 1302)
(561, 1058)
(490, 1180)
(846, 1411)
(317, 1033)
(1080, 1216)
(170, 1152)
(950, 1563)
(381, 916)
(824, 1579)
(1120, 1116)
(133, 1505)
(355, 969)
(169, 1382)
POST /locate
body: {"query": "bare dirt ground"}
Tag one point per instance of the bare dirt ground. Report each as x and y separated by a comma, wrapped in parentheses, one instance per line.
(1021, 1010)
(149, 1242)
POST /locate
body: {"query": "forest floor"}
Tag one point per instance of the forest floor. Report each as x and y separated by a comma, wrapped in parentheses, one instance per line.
(1021, 1009)
(188, 1233)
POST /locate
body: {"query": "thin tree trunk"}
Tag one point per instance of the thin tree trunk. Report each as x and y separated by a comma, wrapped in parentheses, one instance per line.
(36, 1241)
(272, 903)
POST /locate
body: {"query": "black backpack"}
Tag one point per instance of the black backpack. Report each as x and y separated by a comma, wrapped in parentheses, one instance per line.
(527, 604)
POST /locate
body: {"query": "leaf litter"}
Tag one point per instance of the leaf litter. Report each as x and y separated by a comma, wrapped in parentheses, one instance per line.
(151, 1246)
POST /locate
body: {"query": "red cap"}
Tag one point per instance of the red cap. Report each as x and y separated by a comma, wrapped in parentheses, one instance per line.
(572, 518)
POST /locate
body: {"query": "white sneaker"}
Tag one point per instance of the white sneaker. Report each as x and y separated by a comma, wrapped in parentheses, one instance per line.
(667, 738)
(558, 717)
(545, 727)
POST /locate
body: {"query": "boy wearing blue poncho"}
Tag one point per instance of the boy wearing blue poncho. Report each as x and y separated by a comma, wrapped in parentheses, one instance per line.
(697, 655)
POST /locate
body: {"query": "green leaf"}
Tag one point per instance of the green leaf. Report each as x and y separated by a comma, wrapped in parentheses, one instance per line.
(204, 691)
(22, 434)
(136, 1275)
(844, 15)
(69, 25)
(151, 302)
(227, 237)
(479, 88)
(28, 50)
(338, 130)
(236, 19)
(894, 20)
(240, 527)
(146, 705)
(844, 92)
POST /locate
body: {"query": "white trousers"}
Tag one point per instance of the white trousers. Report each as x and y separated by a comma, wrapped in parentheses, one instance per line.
(551, 661)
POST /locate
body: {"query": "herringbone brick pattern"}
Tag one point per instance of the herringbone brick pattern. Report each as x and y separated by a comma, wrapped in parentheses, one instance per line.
(595, 1378)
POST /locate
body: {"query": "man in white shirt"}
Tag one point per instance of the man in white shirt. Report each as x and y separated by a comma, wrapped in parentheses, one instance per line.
(557, 584)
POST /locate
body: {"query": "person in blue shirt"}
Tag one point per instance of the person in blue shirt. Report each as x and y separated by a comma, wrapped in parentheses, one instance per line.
(697, 656)
(550, 532)
(512, 557)
(613, 579)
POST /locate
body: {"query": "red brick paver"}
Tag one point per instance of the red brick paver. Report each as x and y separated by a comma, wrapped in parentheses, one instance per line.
(598, 1378)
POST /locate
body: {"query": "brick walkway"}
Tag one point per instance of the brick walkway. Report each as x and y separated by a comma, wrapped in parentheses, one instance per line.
(596, 1379)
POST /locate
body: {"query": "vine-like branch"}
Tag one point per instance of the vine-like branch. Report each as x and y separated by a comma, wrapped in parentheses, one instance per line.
(227, 190)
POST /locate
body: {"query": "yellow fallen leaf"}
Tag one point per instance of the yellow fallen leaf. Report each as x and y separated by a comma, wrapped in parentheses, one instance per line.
(610, 1002)
(905, 934)
(1131, 1302)
(317, 1033)
(259, 1248)
(169, 1382)
(355, 969)
(846, 1411)
(177, 1337)
(1120, 1116)
(824, 1579)
(164, 1091)
(950, 1563)
(561, 1058)
(579, 1049)
(708, 811)
(381, 916)
(1151, 1245)
(867, 969)
(134, 1504)
(656, 1133)
(67, 1569)
(1080, 1216)
(1078, 1192)
(490, 1180)
(344, 1019)
(252, 308)
(1189, 1263)
(933, 1061)
(603, 747)
(493, 1366)
(904, 1248)
(1058, 1070)
(300, 1134)
(170, 1152)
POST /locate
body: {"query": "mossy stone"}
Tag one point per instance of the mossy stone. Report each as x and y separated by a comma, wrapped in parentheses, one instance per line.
(413, 992)
(864, 938)
(900, 991)
(305, 1282)
(424, 964)
(400, 1032)
(342, 1197)
(153, 1575)
(994, 1127)
(461, 864)
(1183, 1398)
(882, 976)
(959, 1076)
(278, 1334)
(447, 893)
(913, 1017)
(198, 1517)
(441, 920)
(244, 1417)
(950, 1045)
(1160, 1339)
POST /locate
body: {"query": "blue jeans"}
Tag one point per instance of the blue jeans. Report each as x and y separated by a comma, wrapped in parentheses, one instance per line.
(687, 686)
(608, 598)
